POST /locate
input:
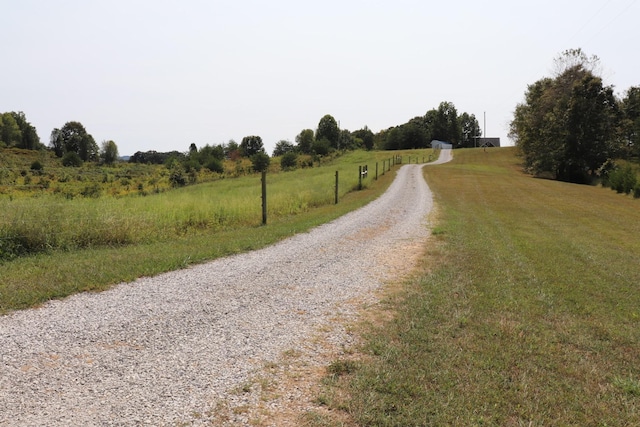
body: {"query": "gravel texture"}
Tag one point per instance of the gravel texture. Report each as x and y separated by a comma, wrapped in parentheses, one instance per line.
(165, 350)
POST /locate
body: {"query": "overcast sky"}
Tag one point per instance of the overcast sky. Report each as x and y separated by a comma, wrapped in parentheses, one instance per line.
(160, 75)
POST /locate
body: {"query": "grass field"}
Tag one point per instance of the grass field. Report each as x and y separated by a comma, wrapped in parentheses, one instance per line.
(527, 312)
(52, 246)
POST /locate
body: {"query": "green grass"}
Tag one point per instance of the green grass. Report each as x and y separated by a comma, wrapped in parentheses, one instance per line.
(527, 313)
(85, 244)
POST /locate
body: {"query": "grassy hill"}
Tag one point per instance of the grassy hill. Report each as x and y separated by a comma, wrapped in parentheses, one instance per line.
(527, 312)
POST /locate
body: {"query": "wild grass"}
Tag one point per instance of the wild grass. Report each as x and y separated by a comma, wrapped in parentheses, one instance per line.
(51, 247)
(527, 313)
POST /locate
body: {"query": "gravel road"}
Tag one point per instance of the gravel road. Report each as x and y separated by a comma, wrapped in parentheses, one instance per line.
(163, 350)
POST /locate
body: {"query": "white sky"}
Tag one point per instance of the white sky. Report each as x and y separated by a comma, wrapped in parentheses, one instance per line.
(160, 75)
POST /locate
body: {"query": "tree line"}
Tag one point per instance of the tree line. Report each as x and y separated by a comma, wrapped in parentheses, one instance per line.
(572, 126)
(75, 145)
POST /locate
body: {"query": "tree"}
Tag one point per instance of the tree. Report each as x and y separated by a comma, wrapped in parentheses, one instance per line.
(305, 141)
(283, 147)
(10, 134)
(566, 126)
(328, 129)
(251, 145)
(29, 136)
(366, 136)
(260, 161)
(109, 152)
(470, 130)
(446, 126)
(73, 137)
(630, 122)
(289, 160)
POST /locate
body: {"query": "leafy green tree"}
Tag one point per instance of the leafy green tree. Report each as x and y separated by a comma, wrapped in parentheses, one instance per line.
(10, 134)
(109, 152)
(289, 160)
(566, 126)
(251, 145)
(446, 126)
(73, 137)
(630, 122)
(282, 147)
(470, 130)
(30, 139)
(305, 141)
(71, 159)
(260, 161)
(321, 147)
(366, 136)
(328, 129)
(232, 150)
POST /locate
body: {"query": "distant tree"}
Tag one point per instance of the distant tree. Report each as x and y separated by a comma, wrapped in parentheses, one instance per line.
(30, 139)
(446, 126)
(232, 150)
(109, 152)
(289, 160)
(193, 148)
(73, 137)
(260, 161)
(470, 130)
(214, 165)
(251, 145)
(630, 122)
(566, 126)
(71, 159)
(305, 141)
(366, 136)
(321, 147)
(328, 129)
(10, 134)
(282, 147)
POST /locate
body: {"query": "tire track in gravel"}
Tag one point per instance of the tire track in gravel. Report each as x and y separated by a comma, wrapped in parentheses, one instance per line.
(166, 350)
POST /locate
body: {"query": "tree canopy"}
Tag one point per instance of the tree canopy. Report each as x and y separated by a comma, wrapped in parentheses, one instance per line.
(16, 131)
(442, 124)
(73, 137)
(328, 129)
(566, 127)
(251, 145)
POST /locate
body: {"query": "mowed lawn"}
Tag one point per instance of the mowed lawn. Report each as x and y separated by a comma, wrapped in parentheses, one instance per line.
(527, 312)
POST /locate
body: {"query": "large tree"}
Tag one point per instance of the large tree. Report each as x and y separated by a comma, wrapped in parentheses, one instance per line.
(470, 130)
(73, 137)
(16, 131)
(109, 152)
(305, 141)
(328, 129)
(566, 126)
(630, 123)
(251, 145)
(10, 134)
(446, 126)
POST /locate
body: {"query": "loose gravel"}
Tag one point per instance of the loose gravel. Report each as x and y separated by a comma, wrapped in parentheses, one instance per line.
(161, 351)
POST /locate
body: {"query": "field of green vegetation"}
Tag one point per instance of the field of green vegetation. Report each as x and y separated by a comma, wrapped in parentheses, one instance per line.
(526, 312)
(52, 245)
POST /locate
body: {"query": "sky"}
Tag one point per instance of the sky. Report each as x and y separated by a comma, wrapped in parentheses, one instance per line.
(161, 75)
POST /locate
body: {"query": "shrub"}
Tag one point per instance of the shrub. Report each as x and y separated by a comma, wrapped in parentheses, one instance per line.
(36, 166)
(288, 161)
(260, 162)
(71, 159)
(215, 165)
(623, 179)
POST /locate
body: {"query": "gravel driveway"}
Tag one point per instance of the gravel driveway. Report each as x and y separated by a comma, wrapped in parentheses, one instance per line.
(164, 350)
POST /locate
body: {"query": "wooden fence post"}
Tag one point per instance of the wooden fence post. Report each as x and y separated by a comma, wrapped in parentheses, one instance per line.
(336, 187)
(264, 197)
